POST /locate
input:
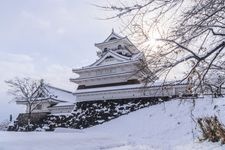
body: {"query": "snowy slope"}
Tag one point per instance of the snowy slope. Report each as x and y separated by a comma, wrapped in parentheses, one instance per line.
(161, 127)
(164, 126)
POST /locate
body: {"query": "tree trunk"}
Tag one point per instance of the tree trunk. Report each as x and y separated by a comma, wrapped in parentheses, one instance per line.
(29, 119)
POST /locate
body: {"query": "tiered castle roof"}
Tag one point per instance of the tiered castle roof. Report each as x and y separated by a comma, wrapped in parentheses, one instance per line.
(118, 63)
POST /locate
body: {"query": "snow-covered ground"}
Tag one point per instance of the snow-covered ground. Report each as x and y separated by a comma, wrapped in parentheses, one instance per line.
(166, 126)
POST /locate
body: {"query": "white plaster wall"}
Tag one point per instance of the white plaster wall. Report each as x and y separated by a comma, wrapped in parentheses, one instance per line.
(107, 80)
(44, 107)
(108, 75)
(108, 71)
(61, 109)
(132, 93)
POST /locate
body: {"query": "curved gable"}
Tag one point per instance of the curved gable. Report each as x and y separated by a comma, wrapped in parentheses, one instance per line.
(112, 36)
(110, 55)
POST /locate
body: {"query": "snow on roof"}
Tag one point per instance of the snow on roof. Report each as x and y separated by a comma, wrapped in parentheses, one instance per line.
(134, 58)
(60, 97)
(113, 35)
(61, 94)
(109, 53)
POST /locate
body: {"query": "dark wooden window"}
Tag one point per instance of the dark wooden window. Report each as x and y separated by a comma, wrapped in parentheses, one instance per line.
(119, 47)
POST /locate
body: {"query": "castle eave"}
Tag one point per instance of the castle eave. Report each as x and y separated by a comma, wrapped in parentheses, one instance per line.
(105, 66)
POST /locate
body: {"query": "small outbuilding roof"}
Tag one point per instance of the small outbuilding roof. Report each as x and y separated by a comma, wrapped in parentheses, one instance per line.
(61, 94)
(53, 94)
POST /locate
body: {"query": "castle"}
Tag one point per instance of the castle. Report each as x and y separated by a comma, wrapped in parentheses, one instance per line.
(119, 73)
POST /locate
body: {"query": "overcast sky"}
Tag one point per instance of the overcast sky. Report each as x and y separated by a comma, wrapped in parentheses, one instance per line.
(46, 39)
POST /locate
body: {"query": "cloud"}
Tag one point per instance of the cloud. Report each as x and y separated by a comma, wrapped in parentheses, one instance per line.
(58, 75)
(60, 31)
(21, 65)
(45, 39)
(15, 57)
(35, 20)
(12, 65)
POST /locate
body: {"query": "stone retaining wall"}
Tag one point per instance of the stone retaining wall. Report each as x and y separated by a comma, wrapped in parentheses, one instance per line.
(89, 113)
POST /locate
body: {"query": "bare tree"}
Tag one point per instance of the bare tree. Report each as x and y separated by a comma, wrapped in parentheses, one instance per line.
(214, 82)
(26, 90)
(190, 33)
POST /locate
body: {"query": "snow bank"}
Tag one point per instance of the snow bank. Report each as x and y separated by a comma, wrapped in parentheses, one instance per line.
(66, 130)
(166, 126)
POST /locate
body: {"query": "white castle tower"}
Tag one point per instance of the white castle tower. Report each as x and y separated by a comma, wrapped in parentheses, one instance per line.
(117, 74)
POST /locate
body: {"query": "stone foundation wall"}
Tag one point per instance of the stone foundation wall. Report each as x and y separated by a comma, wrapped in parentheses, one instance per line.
(89, 113)
(36, 118)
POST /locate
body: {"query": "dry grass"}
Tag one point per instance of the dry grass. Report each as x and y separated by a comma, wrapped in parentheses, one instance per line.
(212, 129)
